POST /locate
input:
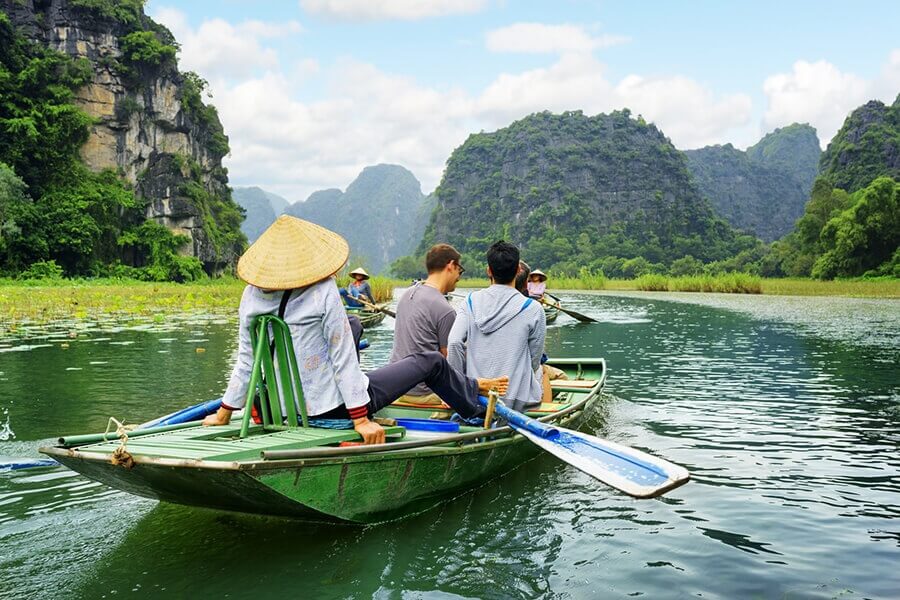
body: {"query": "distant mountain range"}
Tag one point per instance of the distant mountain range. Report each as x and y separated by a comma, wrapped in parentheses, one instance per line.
(262, 209)
(572, 189)
(382, 214)
(763, 190)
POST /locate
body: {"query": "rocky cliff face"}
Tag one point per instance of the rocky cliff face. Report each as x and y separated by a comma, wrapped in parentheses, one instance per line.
(143, 128)
(794, 149)
(866, 147)
(380, 214)
(763, 190)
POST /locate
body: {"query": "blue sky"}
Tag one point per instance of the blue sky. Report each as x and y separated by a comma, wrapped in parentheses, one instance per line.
(311, 91)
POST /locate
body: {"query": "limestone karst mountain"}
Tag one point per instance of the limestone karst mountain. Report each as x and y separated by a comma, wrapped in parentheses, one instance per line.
(382, 214)
(112, 72)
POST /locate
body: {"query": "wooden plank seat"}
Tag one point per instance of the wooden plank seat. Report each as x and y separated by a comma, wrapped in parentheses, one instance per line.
(205, 443)
(546, 407)
(583, 384)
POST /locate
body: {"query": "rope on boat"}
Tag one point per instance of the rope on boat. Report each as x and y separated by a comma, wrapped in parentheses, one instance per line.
(120, 457)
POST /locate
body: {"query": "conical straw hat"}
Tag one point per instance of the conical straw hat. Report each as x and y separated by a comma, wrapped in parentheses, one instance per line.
(359, 271)
(292, 253)
(539, 273)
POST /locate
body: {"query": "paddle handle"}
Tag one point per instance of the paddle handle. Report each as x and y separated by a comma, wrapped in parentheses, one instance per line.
(520, 421)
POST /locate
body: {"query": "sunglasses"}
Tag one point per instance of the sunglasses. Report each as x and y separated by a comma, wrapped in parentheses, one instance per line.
(460, 267)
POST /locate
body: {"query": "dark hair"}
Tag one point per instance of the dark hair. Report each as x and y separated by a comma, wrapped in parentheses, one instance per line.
(522, 277)
(503, 259)
(439, 256)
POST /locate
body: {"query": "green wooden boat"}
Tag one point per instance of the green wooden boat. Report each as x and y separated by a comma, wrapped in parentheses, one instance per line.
(276, 468)
(368, 318)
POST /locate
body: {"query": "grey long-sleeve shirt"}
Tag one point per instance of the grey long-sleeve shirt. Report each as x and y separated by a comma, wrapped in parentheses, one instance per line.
(500, 332)
(323, 343)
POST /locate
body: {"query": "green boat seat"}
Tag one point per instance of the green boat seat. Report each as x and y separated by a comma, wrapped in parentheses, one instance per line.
(274, 361)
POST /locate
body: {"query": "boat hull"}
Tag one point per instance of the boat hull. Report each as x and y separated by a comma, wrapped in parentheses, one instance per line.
(358, 489)
(350, 487)
(550, 313)
(369, 318)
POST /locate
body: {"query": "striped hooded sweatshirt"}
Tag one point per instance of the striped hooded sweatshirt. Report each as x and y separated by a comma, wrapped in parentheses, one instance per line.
(497, 332)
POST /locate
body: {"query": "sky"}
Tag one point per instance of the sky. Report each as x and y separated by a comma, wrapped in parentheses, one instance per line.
(312, 91)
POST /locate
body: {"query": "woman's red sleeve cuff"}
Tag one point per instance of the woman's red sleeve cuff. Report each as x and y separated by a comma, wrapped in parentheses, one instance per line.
(359, 412)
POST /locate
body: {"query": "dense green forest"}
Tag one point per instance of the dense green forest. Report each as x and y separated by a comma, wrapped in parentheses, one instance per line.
(851, 224)
(608, 193)
(57, 216)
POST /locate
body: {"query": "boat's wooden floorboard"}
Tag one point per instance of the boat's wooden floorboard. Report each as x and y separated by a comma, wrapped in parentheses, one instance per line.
(205, 444)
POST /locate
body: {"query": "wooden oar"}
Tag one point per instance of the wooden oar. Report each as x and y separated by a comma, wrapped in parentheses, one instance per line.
(626, 469)
(571, 313)
(386, 311)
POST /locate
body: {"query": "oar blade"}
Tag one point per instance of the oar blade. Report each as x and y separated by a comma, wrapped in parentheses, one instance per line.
(16, 464)
(626, 469)
(579, 316)
(574, 314)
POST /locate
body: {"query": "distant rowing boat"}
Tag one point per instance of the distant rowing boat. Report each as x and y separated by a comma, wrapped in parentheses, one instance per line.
(550, 313)
(368, 317)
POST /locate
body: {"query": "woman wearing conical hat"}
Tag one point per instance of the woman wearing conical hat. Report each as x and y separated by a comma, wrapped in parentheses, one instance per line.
(358, 288)
(292, 263)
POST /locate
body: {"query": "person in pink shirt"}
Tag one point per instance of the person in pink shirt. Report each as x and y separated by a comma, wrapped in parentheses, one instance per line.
(537, 284)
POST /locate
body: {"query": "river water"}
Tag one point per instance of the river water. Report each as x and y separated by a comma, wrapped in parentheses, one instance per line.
(785, 410)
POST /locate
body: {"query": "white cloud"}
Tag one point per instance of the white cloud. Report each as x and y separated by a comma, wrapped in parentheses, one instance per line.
(380, 10)
(689, 113)
(816, 93)
(540, 38)
(218, 49)
(361, 115)
(369, 116)
(820, 94)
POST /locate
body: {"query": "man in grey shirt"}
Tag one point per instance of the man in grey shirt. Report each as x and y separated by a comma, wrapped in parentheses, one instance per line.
(424, 317)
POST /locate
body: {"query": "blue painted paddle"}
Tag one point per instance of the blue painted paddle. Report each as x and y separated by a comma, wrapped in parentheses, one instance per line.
(185, 415)
(15, 464)
(626, 469)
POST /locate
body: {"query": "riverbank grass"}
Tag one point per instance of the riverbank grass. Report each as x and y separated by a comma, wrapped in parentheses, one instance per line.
(43, 300)
(730, 283)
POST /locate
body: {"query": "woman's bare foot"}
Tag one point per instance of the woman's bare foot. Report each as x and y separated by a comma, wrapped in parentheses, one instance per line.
(498, 384)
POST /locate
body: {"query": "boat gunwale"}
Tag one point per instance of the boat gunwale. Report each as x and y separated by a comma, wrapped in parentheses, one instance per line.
(338, 456)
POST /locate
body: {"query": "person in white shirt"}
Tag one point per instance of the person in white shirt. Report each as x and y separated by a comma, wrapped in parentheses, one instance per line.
(293, 262)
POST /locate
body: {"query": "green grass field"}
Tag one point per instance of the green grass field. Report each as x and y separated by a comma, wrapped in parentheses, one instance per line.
(43, 301)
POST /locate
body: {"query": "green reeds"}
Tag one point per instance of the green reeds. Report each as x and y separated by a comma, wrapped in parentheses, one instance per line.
(882, 287)
(727, 283)
(586, 280)
(382, 287)
(652, 283)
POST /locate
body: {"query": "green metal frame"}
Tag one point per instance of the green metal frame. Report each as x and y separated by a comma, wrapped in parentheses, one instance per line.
(265, 377)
